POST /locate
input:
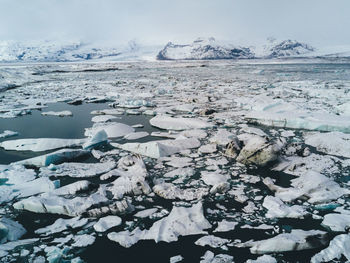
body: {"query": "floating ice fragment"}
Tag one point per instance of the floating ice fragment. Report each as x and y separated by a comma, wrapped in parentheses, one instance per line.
(178, 123)
(10, 230)
(41, 144)
(105, 223)
(136, 135)
(99, 138)
(57, 157)
(335, 143)
(339, 246)
(157, 149)
(7, 133)
(212, 241)
(294, 241)
(277, 209)
(336, 222)
(79, 170)
(113, 129)
(224, 226)
(61, 225)
(83, 240)
(57, 113)
(103, 118)
(263, 259)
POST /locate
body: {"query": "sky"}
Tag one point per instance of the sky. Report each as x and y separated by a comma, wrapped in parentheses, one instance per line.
(318, 22)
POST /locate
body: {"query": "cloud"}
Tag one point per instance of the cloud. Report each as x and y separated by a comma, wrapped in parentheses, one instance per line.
(315, 21)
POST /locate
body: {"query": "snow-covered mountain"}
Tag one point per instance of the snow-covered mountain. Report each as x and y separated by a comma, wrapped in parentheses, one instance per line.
(203, 49)
(53, 51)
(288, 48)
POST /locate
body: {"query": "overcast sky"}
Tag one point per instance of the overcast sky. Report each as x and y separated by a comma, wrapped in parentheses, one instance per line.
(318, 22)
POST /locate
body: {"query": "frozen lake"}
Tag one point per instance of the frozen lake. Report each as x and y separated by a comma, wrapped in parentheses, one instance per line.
(218, 161)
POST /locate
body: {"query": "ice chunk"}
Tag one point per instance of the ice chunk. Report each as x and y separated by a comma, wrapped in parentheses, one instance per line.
(83, 240)
(277, 209)
(313, 186)
(337, 222)
(61, 225)
(7, 133)
(263, 259)
(73, 188)
(224, 226)
(25, 189)
(208, 148)
(214, 178)
(209, 257)
(10, 230)
(178, 123)
(339, 246)
(212, 241)
(105, 223)
(157, 149)
(136, 135)
(126, 238)
(222, 137)
(49, 203)
(170, 191)
(294, 241)
(257, 150)
(103, 118)
(57, 157)
(176, 259)
(113, 129)
(297, 119)
(57, 113)
(146, 213)
(335, 143)
(79, 170)
(182, 221)
(41, 144)
(99, 138)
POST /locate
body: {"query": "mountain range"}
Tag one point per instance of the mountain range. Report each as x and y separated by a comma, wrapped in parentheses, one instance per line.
(200, 49)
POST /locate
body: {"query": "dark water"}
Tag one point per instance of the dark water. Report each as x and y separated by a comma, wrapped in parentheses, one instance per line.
(37, 126)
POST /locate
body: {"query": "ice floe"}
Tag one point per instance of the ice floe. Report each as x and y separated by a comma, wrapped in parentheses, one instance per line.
(157, 149)
(40, 145)
(105, 223)
(338, 247)
(112, 129)
(57, 113)
(178, 123)
(294, 241)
